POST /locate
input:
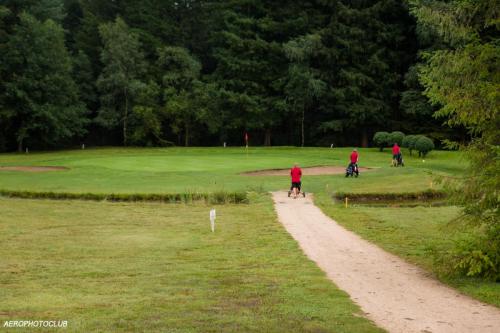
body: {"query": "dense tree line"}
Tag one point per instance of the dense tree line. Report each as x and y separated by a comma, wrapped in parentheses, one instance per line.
(161, 72)
(461, 76)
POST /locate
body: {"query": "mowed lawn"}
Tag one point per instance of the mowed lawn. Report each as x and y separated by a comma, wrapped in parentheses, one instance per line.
(417, 234)
(181, 170)
(116, 267)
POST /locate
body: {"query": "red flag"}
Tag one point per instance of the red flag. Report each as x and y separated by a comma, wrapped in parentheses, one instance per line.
(246, 138)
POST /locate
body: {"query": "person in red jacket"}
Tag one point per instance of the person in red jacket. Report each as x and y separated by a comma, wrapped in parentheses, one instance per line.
(352, 169)
(396, 154)
(296, 174)
(354, 156)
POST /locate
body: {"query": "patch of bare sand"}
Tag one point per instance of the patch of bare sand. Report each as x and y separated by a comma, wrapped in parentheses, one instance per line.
(33, 168)
(311, 171)
(397, 296)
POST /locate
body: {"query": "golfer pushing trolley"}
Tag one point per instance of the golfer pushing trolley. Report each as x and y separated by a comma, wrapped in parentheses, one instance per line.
(296, 174)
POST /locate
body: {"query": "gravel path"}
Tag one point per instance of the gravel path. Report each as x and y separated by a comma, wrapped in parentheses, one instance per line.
(396, 295)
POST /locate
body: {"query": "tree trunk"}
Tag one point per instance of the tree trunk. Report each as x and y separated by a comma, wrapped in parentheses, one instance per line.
(20, 145)
(267, 139)
(302, 127)
(186, 138)
(125, 118)
(20, 139)
(364, 138)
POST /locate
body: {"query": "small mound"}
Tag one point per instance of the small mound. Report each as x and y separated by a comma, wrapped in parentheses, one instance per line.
(312, 171)
(33, 168)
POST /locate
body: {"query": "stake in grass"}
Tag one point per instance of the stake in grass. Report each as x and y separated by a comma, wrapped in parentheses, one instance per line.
(212, 219)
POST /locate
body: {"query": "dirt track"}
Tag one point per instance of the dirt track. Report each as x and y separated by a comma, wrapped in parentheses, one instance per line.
(394, 294)
(311, 171)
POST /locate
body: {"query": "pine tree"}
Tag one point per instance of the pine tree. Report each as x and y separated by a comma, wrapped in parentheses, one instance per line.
(462, 79)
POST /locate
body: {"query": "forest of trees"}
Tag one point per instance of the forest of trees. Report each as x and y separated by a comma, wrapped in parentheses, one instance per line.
(204, 72)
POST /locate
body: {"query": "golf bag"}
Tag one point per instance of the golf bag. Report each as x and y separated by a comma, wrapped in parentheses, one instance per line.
(352, 170)
(299, 188)
(398, 161)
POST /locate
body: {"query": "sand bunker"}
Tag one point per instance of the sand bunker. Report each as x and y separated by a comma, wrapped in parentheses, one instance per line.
(33, 168)
(312, 171)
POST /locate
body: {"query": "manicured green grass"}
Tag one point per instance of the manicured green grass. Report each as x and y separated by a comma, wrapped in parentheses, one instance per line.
(180, 170)
(146, 267)
(416, 234)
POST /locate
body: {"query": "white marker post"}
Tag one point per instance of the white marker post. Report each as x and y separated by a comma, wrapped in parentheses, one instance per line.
(212, 219)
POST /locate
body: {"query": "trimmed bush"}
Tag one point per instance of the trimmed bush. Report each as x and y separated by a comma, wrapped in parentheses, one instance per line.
(396, 137)
(424, 145)
(409, 142)
(381, 140)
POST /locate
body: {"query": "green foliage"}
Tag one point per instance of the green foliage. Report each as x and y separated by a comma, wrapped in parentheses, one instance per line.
(182, 89)
(218, 197)
(381, 140)
(477, 254)
(395, 197)
(147, 118)
(303, 85)
(396, 137)
(42, 98)
(409, 142)
(463, 80)
(120, 81)
(299, 73)
(423, 145)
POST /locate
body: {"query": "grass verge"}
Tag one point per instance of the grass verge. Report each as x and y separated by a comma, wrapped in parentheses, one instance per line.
(147, 267)
(417, 234)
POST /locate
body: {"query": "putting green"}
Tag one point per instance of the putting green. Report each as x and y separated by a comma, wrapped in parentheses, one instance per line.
(179, 170)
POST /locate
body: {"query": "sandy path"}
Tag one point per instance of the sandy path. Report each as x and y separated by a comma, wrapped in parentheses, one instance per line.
(394, 294)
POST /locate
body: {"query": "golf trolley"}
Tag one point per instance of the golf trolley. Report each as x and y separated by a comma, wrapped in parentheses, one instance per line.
(352, 170)
(398, 161)
(290, 191)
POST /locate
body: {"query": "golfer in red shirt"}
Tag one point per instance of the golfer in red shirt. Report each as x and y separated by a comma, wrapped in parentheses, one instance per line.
(353, 166)
(296, 174)
(396, 151)
(354, 156)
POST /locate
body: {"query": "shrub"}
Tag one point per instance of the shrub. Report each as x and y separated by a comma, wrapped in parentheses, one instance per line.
(381, 140)
(409, 142)
(396, 137)
(423, 145)
(476, 254)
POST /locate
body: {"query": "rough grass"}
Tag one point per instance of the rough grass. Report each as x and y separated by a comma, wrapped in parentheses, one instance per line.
(417, 234)
(219, 197)
(146, 267)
